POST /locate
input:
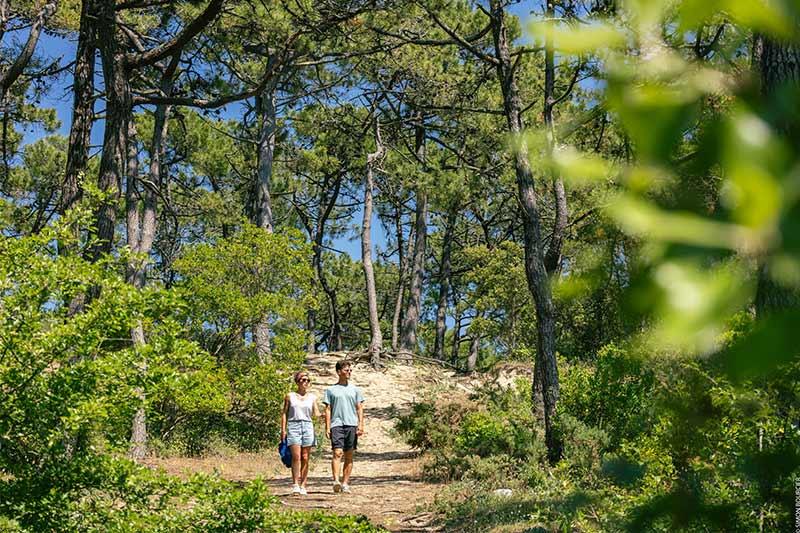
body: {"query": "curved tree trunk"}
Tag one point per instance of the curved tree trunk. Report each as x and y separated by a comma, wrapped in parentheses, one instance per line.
(535, 269)
(376, 338)
(14, 71)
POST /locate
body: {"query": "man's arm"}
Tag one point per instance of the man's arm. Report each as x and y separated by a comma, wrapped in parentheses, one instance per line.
(360, 411)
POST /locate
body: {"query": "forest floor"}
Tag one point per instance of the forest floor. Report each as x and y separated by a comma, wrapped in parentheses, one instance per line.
(386, 483)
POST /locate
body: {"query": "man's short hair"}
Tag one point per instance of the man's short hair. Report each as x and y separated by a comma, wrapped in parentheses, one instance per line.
(342, 363)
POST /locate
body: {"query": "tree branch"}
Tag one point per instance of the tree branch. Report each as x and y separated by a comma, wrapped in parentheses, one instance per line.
(179, 41)
(10, 76)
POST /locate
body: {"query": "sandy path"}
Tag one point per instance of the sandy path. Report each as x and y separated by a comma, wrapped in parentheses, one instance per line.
(385, 483)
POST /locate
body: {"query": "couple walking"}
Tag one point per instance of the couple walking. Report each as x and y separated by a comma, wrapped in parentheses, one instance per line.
(344, 423)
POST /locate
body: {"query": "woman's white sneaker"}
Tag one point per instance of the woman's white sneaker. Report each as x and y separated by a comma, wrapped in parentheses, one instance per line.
(297, 489)
(345, 488)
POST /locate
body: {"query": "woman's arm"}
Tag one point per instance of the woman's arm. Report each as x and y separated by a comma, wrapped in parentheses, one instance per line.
(284, 416)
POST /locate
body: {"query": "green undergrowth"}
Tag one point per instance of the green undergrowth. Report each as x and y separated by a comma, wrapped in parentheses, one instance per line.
(103, 494)
(648, 445)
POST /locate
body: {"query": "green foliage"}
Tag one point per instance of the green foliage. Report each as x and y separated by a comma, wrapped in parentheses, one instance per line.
(236, 282)
(68, 378)
(103, 494)
(614, 393)
(473, 436)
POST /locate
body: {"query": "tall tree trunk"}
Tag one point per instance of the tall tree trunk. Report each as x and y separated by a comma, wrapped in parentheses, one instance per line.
(535, 269)
(118, 115)
(82, 110)
(778, 64)
(456, 337)
(328, 196)
(444, 285)
(141, 221)
(376, 338)
(553, 256)
(335, 340)
(408, 338)
(402, 275)
(263, 209)
(138, 446)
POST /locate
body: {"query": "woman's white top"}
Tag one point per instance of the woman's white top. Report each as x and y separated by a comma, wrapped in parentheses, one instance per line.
(301, 407)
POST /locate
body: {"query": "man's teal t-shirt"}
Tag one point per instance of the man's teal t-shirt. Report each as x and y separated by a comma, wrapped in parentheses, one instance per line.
(343, 400)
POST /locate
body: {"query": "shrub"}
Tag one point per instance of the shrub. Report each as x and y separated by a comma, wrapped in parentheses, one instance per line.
(616, 395)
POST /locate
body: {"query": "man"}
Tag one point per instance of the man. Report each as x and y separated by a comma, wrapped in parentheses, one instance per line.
(344, 423)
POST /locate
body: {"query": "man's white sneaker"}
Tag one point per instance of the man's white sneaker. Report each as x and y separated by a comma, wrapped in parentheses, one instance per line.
(345, 488)
(337, 487)
(297, 489)
(303, 491)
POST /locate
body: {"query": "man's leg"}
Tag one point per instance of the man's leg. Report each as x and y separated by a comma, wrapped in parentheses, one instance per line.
(336, 461)
(348, 467)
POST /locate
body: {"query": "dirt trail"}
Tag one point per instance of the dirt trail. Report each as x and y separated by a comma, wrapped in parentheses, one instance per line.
(385, 483)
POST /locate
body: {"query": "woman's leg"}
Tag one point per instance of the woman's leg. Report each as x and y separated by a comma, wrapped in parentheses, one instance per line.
(305, 454)
(295, 463)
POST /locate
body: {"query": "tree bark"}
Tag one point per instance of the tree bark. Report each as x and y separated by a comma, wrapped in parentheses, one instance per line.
(376, 338)
(553, 256)
(444, 286)
(535, 269)
(82, 110)
(118, 115)
(408, 339)
(454, 352)
(402, 274)
(141, 227)
(326, 205)
(778, 64)
(263, 209)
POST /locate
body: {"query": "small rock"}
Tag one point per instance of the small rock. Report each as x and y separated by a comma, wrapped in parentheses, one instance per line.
(505, 493)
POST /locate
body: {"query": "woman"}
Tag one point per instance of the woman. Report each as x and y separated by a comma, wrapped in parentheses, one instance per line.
(299, 408)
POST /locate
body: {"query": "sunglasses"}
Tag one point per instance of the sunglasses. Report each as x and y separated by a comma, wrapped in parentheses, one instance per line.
(304, 380)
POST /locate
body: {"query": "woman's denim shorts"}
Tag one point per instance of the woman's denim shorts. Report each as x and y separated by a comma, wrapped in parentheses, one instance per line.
(300, 432)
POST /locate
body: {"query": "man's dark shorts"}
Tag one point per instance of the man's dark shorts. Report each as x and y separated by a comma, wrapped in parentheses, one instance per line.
(344, 438)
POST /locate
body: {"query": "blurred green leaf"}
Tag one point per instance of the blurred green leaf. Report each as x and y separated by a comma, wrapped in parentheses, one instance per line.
(772, 343)
(642, 218)
(578, 40)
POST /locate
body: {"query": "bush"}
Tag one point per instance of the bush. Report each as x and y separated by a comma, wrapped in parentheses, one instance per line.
(100, 494)
(476, 437)
(615, 394)
(583, 445)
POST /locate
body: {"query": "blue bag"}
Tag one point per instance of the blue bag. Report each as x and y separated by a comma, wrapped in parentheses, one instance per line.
(285, 453)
